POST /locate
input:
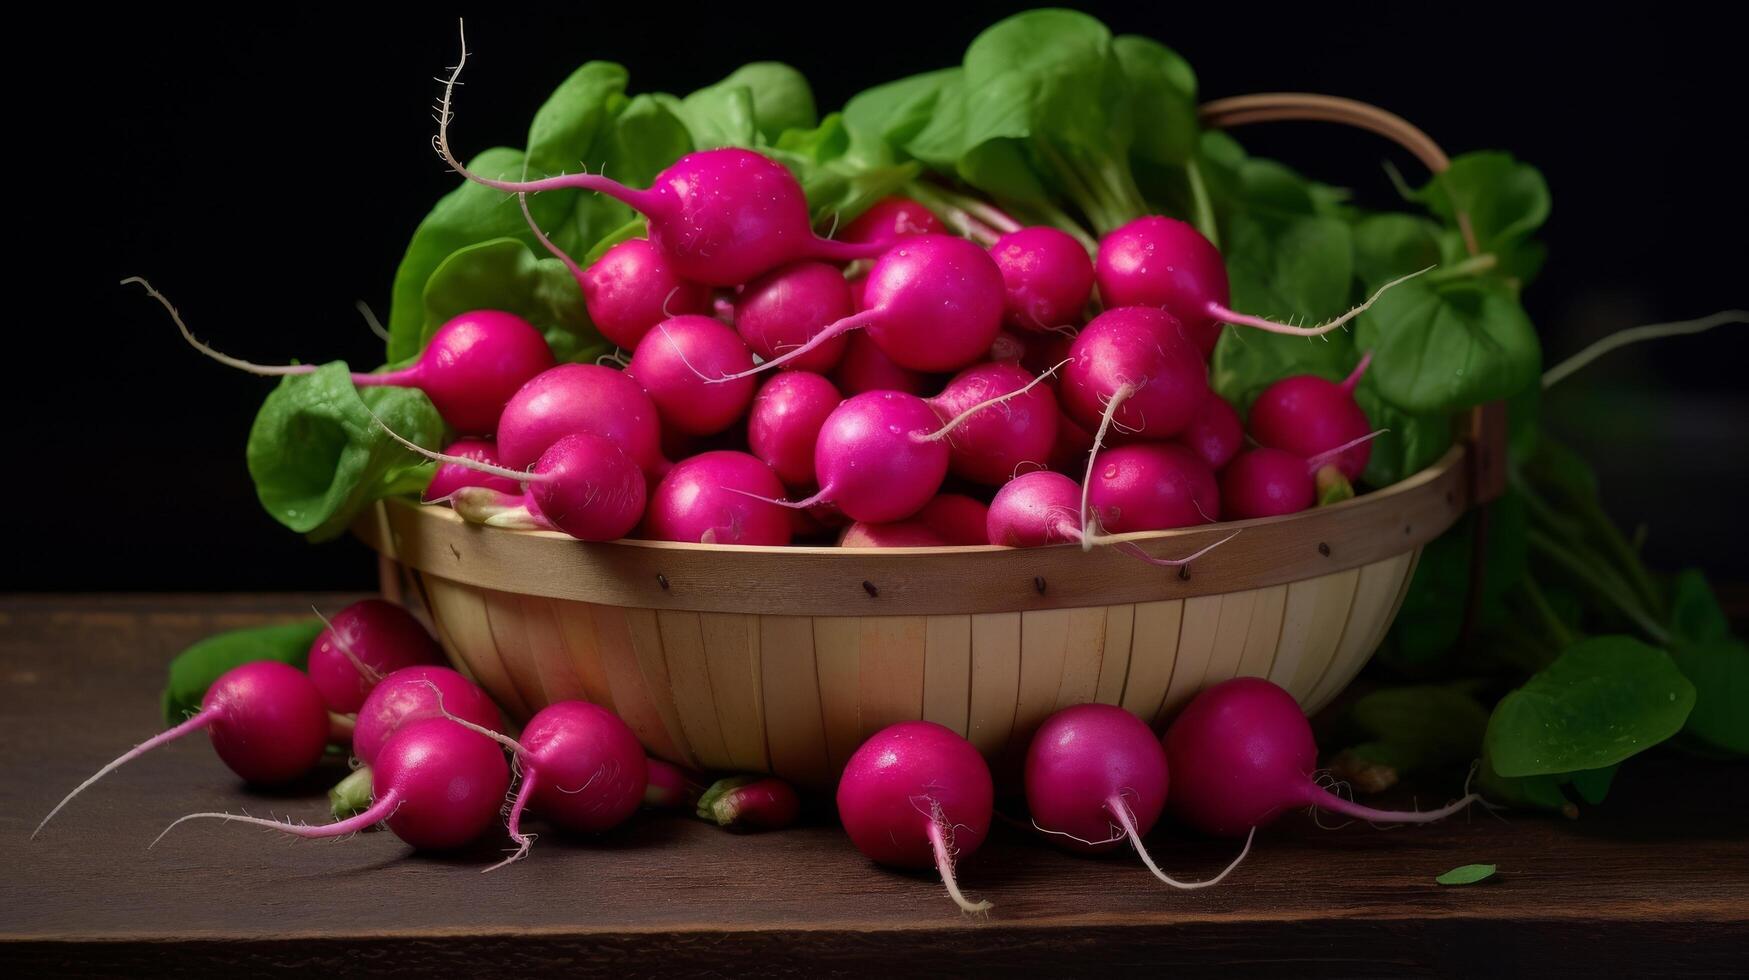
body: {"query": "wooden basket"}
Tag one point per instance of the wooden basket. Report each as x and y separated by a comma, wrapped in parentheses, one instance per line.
(783, 660)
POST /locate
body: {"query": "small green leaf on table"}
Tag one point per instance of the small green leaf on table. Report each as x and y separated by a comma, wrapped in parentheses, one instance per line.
(1468, 874)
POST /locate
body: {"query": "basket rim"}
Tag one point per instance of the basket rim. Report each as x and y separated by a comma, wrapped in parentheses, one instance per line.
(828, 581)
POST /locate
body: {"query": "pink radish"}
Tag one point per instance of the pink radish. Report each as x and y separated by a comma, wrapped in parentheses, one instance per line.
(1215, 433)
(714, 498)
(581, 398)
(865, 368)
(673, 361)
(450, 477)
(582, 485)
(916, 795)
(1047, 277)
(435, 784)
(998, 420)
(858, 286)
(1041, 508)
(955, 518)
(1133, 364)
(631, 288)
(933, 303)
(1152, 487)
(471, 367)
(1167, 264)
(1096, 776)
(785, 421)
(362, 643)
(266, 720)
(750, 803)
(406, 696)
(1069, 452)
(670, 787)
(784, 308)
(890, 219)
(1308, 415)
(582, 768)
(1242, 752)
(720, 217)
(1267, 482)
(876, 458)
(899, 534)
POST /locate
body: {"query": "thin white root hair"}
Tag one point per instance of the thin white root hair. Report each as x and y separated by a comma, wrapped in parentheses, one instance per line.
(944, 854)
(1118, 397)
(1120, 808)
(523, 476)
(371, 321)
(957, 420)
(1633, 335)
(499, 737)
(1114, 838)
(266, 370)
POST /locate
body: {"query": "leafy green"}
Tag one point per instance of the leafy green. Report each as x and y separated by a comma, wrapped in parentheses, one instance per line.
(1714, 661)
(1604, 700)
(1405, 729)
(503, 274)
(1162, 99)
(196, 668)
(318, 458)
(1467, 874)
(753, 106)
(1505, 201)
(1443, 348)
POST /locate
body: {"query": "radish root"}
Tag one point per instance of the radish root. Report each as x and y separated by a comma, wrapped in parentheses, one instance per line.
(1225, 315)
(378, 812)
(195, 723)
(944, 864)
(955, 422)
(1118, 807)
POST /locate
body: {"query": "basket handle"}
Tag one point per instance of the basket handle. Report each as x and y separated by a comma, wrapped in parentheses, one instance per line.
(1485, 430)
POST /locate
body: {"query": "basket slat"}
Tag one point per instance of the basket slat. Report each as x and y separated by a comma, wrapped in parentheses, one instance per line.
(1196, 644)
(1114, 664)
(464, 613)
(795, 732)
(689, 678)
(732, 653)
(577, 630)
(995, 680)
(1263, 633)
(643, 633)
(1083, 653)
(1153, 649)
(837, 651)
(947, 672)
(517, 650)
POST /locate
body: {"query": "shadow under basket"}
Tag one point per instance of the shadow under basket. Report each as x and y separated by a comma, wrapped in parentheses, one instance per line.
(783, 660)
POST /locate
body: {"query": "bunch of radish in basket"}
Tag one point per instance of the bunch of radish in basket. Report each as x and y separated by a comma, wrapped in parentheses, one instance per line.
(898, 387)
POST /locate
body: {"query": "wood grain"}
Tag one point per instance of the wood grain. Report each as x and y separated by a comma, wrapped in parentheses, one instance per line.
(1650, 884)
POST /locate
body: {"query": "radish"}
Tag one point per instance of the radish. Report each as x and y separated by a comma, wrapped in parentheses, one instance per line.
(720, 217)
(1007, 348)
(876, 458)
(892, 218)
(998, 420)
(858, 287)
(785, 421)
(1070, 451)
(1152, 487)
(1242, 752)
(582, 769)
(1096, 776)
(1133, 365)
(1308, 415)
(899, 534)
(582, 485)
(670, 787)
(955, 518)
(436, 784)
(750, 803)
(1047, 278)
(933, 303)
(916, 795)
(451, 477)
(266, 720)
(411, 694)
(631, 288)
(715, 498)
(471, 367)
(785, 307)
(1215, 433)
(673, 361)
(865, 368)
(1040, 508)
(1168, 264)
(1267, 482)
(581, 398)
(361, 644)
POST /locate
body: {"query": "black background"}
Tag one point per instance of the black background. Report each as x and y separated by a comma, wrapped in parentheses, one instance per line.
(267, 173)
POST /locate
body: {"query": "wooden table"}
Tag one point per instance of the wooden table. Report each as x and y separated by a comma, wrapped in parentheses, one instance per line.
(1656, 881)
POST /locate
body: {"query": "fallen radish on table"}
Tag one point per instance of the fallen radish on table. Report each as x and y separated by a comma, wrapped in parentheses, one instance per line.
(916, 795)
(1096, 778)
(750, 803)
(266, 720)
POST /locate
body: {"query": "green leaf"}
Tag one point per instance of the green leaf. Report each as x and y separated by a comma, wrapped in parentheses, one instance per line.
(1247, 361)
(1430, 620)
(196, 668)
(1719, 671)
(503, 274)
(1468, 874)
(1418, 727)
(1695, 613)
(1162, 98)
(1603, 700)
(751, 107)
(1506, 201)
(1441, 349)
(882, 121)
(318, 458)
(1390, 246)
(1409, 444)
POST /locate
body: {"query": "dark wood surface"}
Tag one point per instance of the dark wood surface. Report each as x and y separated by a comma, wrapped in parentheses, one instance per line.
(1656, 881)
